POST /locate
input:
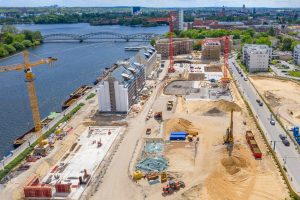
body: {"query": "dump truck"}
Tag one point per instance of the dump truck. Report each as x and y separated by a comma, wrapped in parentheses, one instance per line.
(253, 145)
(170, 105)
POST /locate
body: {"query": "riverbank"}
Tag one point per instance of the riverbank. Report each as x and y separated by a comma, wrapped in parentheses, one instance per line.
(78, 64)
(14, 41)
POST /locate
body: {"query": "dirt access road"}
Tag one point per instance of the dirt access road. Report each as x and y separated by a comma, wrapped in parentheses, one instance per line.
(116, 182)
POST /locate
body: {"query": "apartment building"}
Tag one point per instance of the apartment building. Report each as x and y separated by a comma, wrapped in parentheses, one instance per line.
(297, 54)
(180, 46)
(257, 57)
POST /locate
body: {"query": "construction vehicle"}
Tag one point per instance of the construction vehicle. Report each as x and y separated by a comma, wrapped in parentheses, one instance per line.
(29, 79)
(152, 176)
(170, 105)
(190, 138)
(148, 131)
(172, 186)
(158, 116)
(137, 175)
(228, 138)
(163, 177)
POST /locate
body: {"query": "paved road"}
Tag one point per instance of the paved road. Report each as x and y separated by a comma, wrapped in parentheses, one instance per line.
(288, 156)
(279, 72)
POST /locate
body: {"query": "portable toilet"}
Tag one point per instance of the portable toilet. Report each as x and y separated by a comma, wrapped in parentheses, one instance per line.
(296, 131)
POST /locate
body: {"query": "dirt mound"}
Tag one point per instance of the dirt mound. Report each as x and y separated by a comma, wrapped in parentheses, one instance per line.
(178, 125)
(192, 193)
(272, 98)
(214, 112)
(233, 164)
(228, 106)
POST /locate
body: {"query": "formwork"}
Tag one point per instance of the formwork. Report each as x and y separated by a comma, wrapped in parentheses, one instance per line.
(69, 177)
(34, 189)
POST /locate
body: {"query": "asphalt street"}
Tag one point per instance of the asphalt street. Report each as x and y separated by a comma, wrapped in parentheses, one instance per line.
(287, 155)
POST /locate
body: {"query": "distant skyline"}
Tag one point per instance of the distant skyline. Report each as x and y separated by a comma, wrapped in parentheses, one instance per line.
(152, 3)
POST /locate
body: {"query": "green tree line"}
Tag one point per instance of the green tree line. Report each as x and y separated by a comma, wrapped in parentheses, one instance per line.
(12, 40)
(249, 36)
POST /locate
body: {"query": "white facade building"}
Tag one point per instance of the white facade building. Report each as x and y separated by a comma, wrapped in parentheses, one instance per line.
(297, 54)
(147, 57)
(257, 57)
(121, 88)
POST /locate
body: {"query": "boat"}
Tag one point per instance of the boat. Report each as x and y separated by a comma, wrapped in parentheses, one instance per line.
(74, 96)
(24, 137)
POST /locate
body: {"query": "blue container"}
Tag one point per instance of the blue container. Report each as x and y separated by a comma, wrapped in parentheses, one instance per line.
(177, 137)
(296, 131)
(178, 133)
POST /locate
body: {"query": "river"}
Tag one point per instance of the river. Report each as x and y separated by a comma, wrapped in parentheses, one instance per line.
(78, 64)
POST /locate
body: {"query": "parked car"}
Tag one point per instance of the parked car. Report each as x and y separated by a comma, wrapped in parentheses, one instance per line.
(245, 79)
(272, 122)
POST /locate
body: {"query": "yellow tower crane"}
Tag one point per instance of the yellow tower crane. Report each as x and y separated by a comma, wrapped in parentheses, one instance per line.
(29, 78)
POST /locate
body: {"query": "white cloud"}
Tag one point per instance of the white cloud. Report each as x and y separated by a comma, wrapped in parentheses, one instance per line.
(155, 3)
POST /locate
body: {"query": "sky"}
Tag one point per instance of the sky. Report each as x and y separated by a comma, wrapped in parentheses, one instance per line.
(153, 3)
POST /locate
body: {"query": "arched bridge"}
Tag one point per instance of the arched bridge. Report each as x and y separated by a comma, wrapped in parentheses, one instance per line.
(99, 36)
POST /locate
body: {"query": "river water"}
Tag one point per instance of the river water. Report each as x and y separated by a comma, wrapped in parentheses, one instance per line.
(78, 64)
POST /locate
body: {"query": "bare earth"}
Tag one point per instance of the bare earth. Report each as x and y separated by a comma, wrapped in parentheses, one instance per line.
(207, 169)
(283, 96)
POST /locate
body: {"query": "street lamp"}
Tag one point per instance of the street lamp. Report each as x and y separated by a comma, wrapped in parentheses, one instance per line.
(285, 158)
(274, 143)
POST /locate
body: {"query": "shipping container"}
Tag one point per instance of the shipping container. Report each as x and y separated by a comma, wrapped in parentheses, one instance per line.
(178, 133)
(177, 137)
(253, 145)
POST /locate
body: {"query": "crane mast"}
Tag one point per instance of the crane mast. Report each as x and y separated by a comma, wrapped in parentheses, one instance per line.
(171, 48)
(29, 79)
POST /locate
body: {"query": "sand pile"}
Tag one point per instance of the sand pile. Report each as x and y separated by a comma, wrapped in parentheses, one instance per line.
(178, 125)
(205, 107)
(233, 164)
(214, 112)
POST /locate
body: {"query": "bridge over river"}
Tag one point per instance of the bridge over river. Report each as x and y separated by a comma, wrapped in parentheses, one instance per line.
(99, 37)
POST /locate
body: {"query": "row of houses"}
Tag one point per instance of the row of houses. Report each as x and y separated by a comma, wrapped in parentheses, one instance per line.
(121, 88)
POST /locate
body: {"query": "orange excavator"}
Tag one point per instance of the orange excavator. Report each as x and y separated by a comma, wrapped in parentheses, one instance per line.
(172, 186)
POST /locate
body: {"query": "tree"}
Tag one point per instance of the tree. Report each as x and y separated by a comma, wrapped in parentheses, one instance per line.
(27, 43)
(9, 48)
(287, 44)
(263, 40)
(271, 31)
(3, 52)
(9, 29)
(7, 38)
(28, 35)
(19, 37)
(152, 42)
(37, 36)
(18, 46)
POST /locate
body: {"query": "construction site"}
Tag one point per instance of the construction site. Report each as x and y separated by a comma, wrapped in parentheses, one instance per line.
(190, 137)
